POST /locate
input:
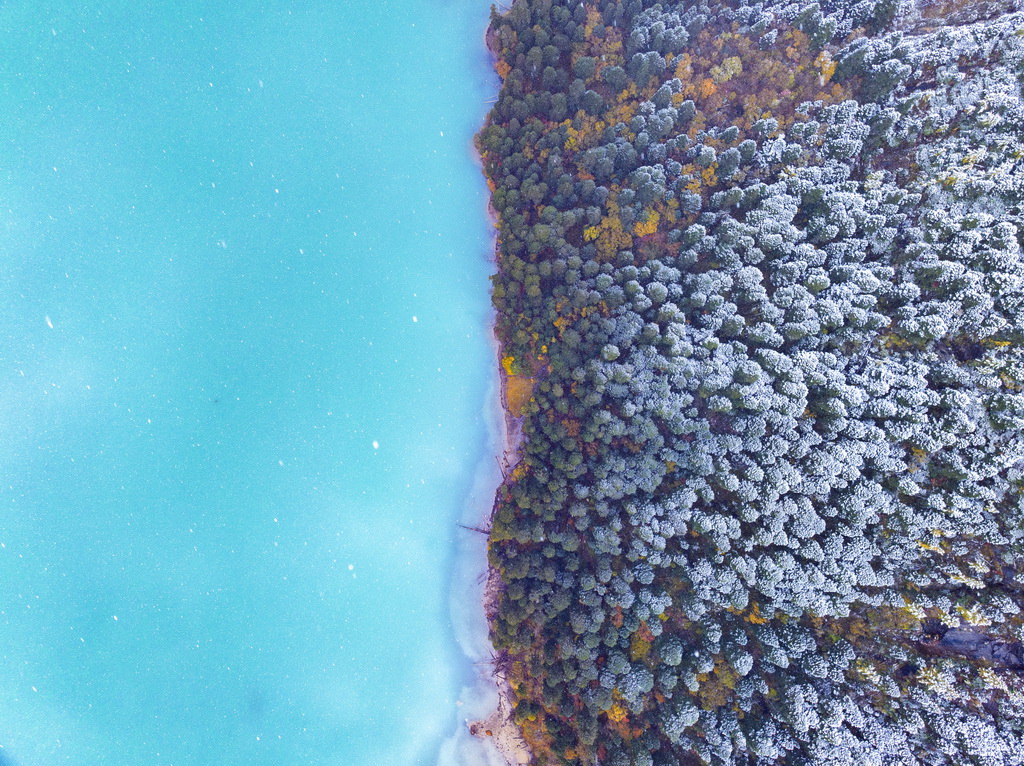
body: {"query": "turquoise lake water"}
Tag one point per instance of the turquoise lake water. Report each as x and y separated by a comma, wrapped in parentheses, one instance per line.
(243, 360)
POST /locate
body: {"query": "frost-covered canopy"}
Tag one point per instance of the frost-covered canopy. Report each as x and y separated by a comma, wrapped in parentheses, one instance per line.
(763, 264)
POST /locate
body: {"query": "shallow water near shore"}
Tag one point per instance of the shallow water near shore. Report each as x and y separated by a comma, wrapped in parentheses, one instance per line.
(244, 375)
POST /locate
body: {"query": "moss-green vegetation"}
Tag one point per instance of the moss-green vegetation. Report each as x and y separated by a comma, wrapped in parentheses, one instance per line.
(763, 263)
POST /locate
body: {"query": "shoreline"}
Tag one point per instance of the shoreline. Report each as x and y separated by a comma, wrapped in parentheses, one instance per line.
(497, 732)
(499, 729)
(487, 736)
(485, 701)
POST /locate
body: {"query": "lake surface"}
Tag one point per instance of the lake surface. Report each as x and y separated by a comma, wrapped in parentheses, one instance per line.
(244, 363)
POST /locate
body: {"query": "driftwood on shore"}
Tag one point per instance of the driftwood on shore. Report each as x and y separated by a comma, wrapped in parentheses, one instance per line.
(476, 529)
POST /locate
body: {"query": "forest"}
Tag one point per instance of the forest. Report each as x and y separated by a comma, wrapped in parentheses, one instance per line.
(760, 290)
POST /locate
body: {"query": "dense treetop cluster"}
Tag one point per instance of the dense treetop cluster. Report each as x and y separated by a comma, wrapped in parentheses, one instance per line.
(761, 261)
